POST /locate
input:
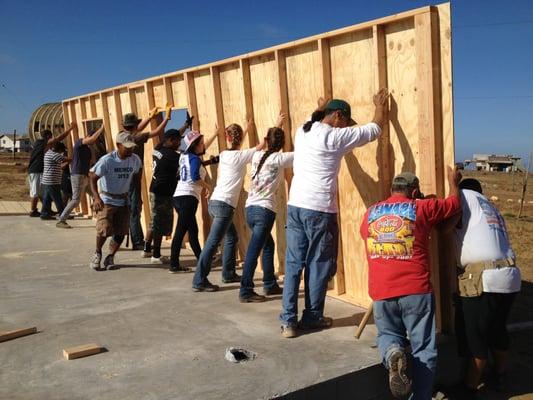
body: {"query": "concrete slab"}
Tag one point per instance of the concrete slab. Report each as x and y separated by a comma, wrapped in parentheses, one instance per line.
(164, 341)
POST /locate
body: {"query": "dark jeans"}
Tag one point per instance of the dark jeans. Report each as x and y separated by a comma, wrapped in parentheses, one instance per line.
(221, 228)
(136, 230)
(312, 244)
(51, 193)
(260, 220)
(186, 207)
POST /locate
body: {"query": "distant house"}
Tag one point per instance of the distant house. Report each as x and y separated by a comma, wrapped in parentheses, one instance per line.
(494, 162)
(22, 144)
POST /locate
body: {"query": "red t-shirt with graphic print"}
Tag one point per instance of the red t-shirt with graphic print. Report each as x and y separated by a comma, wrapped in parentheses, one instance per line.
(396, 234)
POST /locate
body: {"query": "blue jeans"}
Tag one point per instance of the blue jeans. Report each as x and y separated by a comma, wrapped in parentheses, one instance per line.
(410, 316)
(312, 245)
(51, 193)
(260, 220)
(221, 228)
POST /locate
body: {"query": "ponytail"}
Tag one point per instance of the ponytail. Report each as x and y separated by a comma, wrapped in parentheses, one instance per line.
(235, 132)
(318, 115)
(276, 141)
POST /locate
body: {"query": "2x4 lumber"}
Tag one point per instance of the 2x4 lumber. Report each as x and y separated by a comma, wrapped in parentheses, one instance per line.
(83, 208)
(118, 113)
(83, 350)
(219, 109)
(133, 101)
(169, 97)
(380, 68)
(9, 335)
(191, 99)
(244, 65)
(92, 103)
(66, 124)
(284, 46)
(107, 122)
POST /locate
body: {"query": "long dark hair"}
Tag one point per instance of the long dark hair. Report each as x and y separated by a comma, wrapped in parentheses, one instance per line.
(275, 142)
(315, 117)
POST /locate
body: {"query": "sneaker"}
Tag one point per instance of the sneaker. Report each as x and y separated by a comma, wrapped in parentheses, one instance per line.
(47, 217)
(161, 260)
(147, 254)
(63, 224)
(109, 262)
(178, 269)
(252, 298)
(206, 287)
(272, 291)
(399, 381)
(35, 214)
(288, 331)
(235, 278)
(95, 262)
(322, 323)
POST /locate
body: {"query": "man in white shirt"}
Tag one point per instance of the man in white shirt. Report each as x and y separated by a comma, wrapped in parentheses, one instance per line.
(312, 228)
(488, 284)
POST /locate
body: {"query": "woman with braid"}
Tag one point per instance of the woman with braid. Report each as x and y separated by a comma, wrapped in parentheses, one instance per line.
(231, 170)
(267, 173)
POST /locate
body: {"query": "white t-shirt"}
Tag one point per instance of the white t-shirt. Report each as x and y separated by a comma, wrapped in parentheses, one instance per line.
(317, 158)
(265, 185)
(483, 237)
(191, 171)
(231, 171)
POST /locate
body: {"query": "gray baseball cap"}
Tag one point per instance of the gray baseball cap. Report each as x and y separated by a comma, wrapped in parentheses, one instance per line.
(125, 139)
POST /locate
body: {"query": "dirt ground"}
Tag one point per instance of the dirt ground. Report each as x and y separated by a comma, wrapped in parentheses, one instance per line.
(13, 185)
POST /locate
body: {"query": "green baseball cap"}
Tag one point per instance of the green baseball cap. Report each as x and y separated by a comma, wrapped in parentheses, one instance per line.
(337, 104)
(407, 179)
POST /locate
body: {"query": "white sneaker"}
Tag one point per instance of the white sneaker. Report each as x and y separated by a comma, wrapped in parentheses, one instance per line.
(160, 260)
(95, 262)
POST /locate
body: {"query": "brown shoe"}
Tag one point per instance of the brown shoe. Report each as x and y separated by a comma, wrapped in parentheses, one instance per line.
(399, 381)
(252, 298)
(322, 323)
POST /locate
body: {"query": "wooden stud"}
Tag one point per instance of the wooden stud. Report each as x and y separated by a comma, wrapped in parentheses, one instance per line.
(92, 102)
(169, 97)
(247, 95)
(219, 109)
(8, 335)
(325, 66)
(133, 100)
(191, 99)
(118, 112)
(83, 350)
(284, 102)
(107, 122)
(83, 207)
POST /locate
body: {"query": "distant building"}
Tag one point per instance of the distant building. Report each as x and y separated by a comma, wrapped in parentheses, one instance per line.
(493, 162)
(22, 144)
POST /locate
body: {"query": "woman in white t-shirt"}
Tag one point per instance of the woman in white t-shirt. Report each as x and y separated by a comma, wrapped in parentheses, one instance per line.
(231, 170)
(261, 207)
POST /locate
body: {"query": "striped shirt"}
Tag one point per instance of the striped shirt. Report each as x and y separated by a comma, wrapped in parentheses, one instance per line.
(52, 168)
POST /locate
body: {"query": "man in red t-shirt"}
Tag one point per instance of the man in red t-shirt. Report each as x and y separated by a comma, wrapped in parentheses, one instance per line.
(396, 232)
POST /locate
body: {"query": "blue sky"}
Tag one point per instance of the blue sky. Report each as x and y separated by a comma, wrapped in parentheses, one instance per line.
(51, 50)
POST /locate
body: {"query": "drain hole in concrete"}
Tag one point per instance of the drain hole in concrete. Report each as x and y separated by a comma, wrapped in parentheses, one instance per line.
(237, 355)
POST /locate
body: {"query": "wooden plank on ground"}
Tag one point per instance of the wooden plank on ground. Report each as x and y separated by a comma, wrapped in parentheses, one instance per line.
(13, 334)
(83, 350)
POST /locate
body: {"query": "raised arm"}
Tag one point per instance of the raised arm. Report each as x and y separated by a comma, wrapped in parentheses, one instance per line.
(59, 138)
(88, 140)
(208, 141)
(153, 112)
(161, 127)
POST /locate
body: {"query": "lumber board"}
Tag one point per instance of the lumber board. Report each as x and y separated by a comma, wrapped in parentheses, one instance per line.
(16, 333)
(83, 350)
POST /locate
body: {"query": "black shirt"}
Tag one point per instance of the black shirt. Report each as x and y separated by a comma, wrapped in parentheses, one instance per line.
(36, 165)
(165, 163)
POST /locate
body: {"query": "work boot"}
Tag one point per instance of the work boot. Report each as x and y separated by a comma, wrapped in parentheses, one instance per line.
(35, 214)
(206, 287)
(322, 323)
(399, 381)
(234, 279)
(288, 331)
(63, 224)
(272, 291)
(109, 262)
(178, 269)
(252, 298)
(95, 262)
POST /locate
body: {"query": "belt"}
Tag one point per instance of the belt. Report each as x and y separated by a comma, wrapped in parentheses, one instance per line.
(120, 196)
(504, 262)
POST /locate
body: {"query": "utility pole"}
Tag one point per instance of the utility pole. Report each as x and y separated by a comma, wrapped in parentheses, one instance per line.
(14, 143)
(524, 188)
